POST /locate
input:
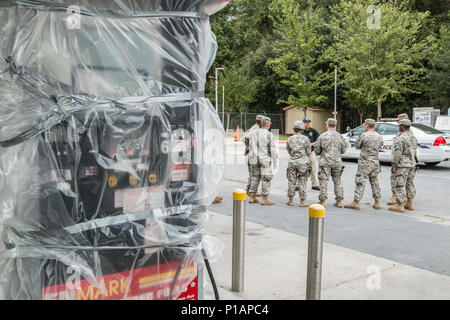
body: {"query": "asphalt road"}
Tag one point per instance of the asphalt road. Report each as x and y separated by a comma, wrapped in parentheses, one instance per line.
(420, 238)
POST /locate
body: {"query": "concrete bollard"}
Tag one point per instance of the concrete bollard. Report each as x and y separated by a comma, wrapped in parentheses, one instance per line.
(237, 276)
(315, 248)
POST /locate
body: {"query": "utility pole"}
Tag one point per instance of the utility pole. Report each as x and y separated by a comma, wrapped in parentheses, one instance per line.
(217, 95)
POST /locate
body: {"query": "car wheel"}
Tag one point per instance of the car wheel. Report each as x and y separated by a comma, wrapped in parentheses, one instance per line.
(431, 164)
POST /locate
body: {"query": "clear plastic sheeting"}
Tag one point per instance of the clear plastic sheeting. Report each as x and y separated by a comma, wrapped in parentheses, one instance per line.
(109, 151)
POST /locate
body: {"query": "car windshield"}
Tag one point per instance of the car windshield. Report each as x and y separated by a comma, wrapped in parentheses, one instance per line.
(358, 131)
(386, 129)
(427, 129)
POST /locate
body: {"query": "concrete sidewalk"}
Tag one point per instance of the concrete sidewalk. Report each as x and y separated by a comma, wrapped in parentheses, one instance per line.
(275, 269)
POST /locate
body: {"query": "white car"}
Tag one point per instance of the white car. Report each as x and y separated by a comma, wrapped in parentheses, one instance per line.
(433, 145)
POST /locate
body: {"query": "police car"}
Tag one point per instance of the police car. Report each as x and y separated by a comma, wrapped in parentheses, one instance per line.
(433, 145)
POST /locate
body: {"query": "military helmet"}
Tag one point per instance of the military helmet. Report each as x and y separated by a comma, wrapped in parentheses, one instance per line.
(299, 125)
(405, 122)
(331, 122)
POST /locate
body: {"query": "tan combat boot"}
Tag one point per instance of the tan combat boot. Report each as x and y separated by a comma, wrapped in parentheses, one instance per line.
(322, 203)
(354, 206)
(266, 201)
(338, 203)
(217, 200)
(252, 196)
(393, 199)
(303, 204)
(398, 208)
(291, 201)
(259, 195)
(377, 205)
(409, 205)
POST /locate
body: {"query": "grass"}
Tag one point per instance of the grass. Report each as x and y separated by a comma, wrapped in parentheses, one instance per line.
(283, 137)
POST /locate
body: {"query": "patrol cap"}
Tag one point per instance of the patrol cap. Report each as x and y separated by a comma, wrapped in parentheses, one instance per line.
(266, 120)
(299, 125)
(370, 122)
(402, 116)
(405, 122)
(259, 117)
(331, 122)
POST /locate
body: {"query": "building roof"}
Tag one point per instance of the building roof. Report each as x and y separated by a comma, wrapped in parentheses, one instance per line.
(312, 107)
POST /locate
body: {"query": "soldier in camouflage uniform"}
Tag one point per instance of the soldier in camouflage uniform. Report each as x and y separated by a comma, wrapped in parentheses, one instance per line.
(262, 155)
(370, 144)
(256, 126)
(404, 167)
(299, 148)
(393, 199)
(330, 146)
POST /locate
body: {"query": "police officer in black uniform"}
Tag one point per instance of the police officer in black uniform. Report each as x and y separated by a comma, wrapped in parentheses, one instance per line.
(313, 135)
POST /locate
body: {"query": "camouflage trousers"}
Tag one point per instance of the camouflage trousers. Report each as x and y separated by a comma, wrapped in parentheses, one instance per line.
(261, 173)
(367, 171)
(324, 177)
(249, 176)
(404, 184)
(298, 173)
(392, 179)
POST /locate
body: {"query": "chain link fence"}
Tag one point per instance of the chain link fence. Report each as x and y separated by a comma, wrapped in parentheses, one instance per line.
(246, 120)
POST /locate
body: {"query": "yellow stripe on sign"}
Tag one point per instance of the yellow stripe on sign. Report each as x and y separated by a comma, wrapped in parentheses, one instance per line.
(316, 211)
(240, 195)
(166, 275)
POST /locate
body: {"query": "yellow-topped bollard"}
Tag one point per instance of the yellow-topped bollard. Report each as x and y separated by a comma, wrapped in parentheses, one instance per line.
(316, 211)
(238, 254)
(315, 248)
(239, 195)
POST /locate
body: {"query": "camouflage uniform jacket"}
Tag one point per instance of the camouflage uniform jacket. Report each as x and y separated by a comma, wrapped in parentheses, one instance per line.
(262, 148)
(247, 136)
(330, 146)
(405, 149)
(369, 143)
(299, 148)
(399, 133)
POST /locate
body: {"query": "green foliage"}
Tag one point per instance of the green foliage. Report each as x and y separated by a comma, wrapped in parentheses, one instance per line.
(244, 33)
(440, 74)
(240, 90)
(300, 53)
(289, 48)
(378, 63)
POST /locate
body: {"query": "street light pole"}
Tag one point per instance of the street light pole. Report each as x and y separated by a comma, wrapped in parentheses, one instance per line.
(223, 105)
(217, 94)
(335, 93)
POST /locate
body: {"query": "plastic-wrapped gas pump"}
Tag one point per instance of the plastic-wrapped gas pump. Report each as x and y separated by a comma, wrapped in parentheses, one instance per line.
(109, 151)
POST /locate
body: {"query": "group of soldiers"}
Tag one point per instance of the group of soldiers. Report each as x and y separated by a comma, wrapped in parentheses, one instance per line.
(330, 146)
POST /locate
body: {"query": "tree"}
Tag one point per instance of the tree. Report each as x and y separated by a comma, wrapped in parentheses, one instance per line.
(380, 60)
(245, 34)
(300, 45)
(440, 74)
(240, 91)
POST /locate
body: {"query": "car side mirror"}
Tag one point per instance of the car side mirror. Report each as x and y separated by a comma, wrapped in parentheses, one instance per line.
(348, 129)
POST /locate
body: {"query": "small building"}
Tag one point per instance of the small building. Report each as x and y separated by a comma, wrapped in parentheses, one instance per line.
(317, 115)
